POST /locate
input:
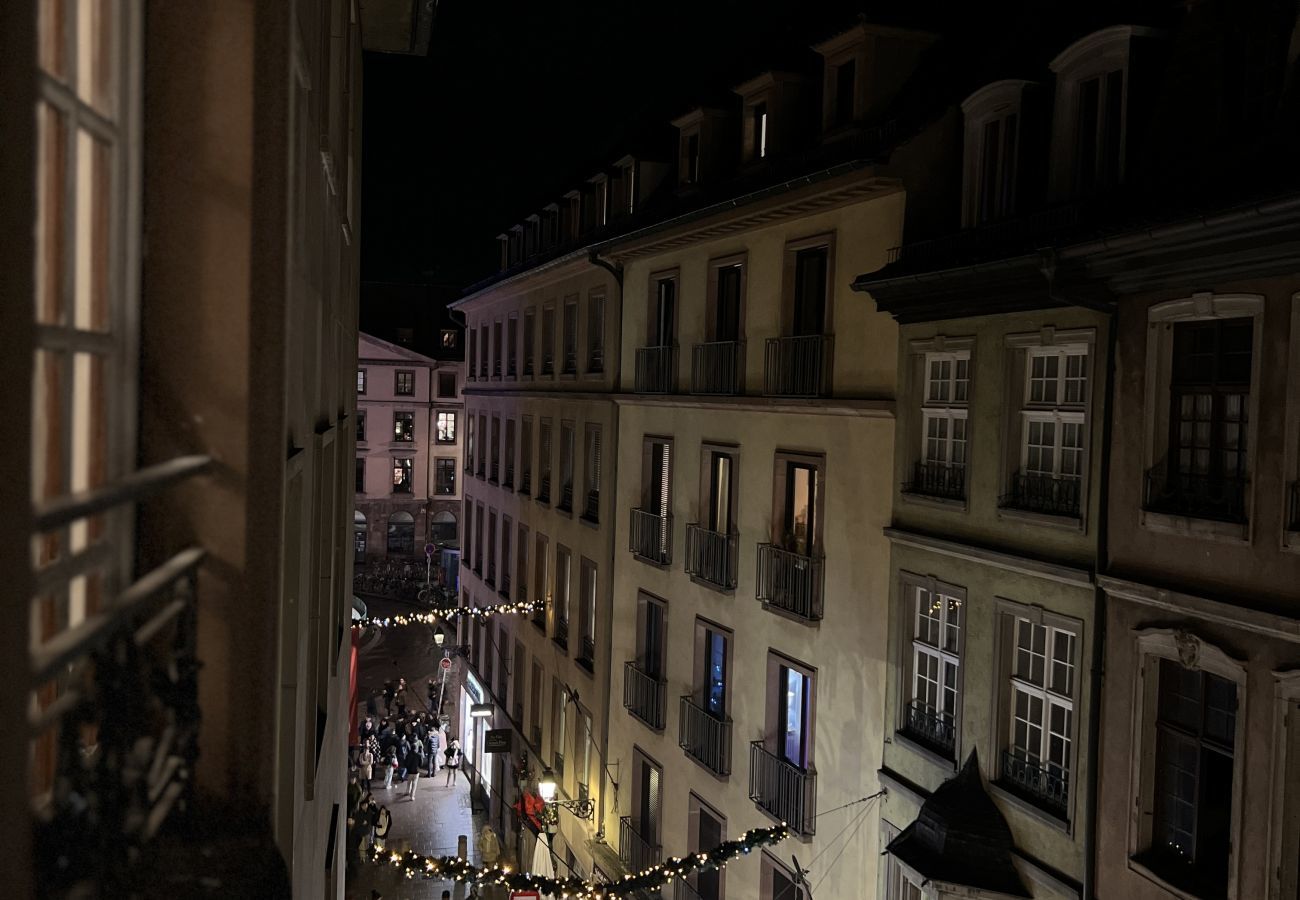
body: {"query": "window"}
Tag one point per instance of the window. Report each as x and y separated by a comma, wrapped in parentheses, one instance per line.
(587, 613)
(509, 479)
(361, 381)
(495, 471)
(1052, 432)
(663, 312)
(720, 505)
(706, 828)
(361, 476)
(483, 350)
(652, 522)
(898, 882)
(442, 529)
(482, 445)
(794, 718)
(758, 117)
(446, 427)
(1099, 106)
(467, 551)
(845, 82)
(448, 339)
(799, 504)
(541, 594)
(647, 788)
(507, 534)
(776, 882)
(401, 534)
(403, 383)
(403, 426)
(548, 339)
(471, 370)
(403, 470)
(563, 565)
(512, 345)
(691, 157)
(808, 312)
(526, 454)
(1038, 759)
(492, 548)
(359, 538)
(596, 333)
(934, 612)
(559, 721)
(521, 567)
(602, 202)
(544, 462)
(517, 689)
(444, 476)
(728, 284)
(651, 635)
(996, 169)
(361, 427)
(712, 668)
(942, 470)
(711, 543)
(535, 705)
(469, 444)
(497, 347)
(569, 357)
(530, 339)
(582, 740)
(479, 520)
(591, 471)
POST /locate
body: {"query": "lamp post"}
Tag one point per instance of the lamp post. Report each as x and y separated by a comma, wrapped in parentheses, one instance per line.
(546, 788)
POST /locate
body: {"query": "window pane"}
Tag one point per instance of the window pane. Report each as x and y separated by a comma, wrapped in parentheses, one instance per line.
(97, 22)
(51, 201)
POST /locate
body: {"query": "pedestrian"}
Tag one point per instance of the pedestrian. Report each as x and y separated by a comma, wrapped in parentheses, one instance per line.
(452, 753)
(414, 765)
(390, 767)
(365, 766)
(390, 691)
(354, 794)
(433, 692)
(383, 826)
(435, 749)
(372, 818)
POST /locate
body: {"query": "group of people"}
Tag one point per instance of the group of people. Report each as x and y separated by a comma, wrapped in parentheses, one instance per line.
(404, 746)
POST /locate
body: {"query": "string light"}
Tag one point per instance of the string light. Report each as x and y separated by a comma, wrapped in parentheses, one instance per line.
(455, 612)
(455, 868)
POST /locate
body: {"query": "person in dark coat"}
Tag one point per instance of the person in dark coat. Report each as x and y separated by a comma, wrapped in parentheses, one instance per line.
(414, 765)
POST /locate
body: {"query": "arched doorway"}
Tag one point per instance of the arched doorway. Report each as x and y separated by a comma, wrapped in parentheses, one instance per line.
(442, 530)
(359, 537)
(401, 534)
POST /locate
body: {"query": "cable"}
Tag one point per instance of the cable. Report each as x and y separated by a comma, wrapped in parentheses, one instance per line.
(879, 793)
(847, 825)
(861, 819)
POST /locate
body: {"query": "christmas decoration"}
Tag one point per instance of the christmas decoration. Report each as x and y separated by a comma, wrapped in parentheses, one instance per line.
(454, 612)
(455, 868)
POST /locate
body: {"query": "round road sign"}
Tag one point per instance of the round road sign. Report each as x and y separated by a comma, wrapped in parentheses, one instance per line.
(428, 550)
(446, 663)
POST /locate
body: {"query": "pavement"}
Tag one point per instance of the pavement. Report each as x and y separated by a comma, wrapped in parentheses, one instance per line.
(432, 822)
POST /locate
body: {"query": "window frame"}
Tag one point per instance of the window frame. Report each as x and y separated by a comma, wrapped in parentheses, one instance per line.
(700, 669)
(568, 356)
(782, 461)
(398, 375)
(696, 807)
(529, 339)
(595, 339)
(716, 265)
(995, 102)
(361, 426)
(450, 467)
(363, 379)
(408, 471)
(438, 427)
(512, 346)
(400, 416)
(654, 321)
(548, 368)
(592, 465)
(909, 584)
(446, 395)
(776, 663)
(789, 282)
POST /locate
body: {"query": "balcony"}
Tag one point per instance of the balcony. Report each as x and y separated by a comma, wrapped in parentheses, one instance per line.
(637, 853)
(591, 510)
(783, 790)
(1218, 498)
(797, 366)
(544, 488)
(643, 695)
(682, 890)
(525, 482)
(1048, 786)
(1052, 495)
(943, 480)
(494, 474)
(656, 370)
(790, 582)
(561, 636)
(705, 738)
(928, 726)
(510, 475)
(711, 556)
(718, 368)
(587, 653)
(535, 735)
(566, 496)
(505, 583)
(652, 537)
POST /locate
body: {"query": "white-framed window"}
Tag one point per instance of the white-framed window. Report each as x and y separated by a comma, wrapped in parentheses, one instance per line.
(1052, 431)
(1039, 755)
(944, 408)
(933, 694)
(900, 881)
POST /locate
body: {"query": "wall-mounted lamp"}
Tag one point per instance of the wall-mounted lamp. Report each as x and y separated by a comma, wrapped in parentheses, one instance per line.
(481, 710)
(546, 788)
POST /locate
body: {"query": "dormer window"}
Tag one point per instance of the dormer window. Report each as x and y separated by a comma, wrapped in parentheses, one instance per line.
(691, 157)
(503, 246)
(758, 131)
(1092, 95)
(846, 74)
(572, 214)
(602, 202)
(630, 188)
(994, 117)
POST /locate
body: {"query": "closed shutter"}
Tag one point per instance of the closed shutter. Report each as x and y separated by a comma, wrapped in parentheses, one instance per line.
(652, 812)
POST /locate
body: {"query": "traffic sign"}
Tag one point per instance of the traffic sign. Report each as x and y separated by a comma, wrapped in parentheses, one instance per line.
(429, 550)
(445, 663)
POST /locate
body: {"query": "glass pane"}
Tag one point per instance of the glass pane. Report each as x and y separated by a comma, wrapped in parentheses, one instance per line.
(52, 36)
(927, 618)
(793, 718)
(97, 22)
(51, 214)
(952, 624)
(49, 385)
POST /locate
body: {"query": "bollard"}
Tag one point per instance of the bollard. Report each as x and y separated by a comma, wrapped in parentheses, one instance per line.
(462, 846)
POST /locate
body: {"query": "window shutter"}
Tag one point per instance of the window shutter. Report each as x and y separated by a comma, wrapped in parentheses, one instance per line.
(653, 804)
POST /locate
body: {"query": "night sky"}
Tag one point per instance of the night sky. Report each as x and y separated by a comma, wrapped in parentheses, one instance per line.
(518, 102)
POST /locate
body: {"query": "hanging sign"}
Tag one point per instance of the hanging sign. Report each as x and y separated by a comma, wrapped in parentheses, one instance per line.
(497, 741)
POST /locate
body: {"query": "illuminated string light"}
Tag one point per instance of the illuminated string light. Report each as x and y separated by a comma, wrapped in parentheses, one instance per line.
(455, 612)
(455, 868)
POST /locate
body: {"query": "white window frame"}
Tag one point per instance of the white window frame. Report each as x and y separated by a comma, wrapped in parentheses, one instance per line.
(949, 410)
(1284, 819)
(1045, 694)
(995, 102)
(911, 587)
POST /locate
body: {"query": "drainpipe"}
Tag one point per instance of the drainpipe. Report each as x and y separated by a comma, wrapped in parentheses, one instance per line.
(1098, 676)
(613, 363)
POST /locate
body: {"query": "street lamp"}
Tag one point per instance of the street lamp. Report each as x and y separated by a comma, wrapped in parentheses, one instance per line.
(546, 788)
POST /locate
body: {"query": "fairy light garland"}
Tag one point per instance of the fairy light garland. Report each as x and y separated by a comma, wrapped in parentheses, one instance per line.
(456, 868)
(453, 612)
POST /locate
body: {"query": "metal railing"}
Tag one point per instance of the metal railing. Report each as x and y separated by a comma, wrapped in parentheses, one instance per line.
(591, 511)
(711, 556)
(1293, 517)
(1221, 498)
(682, 890)
(932, 479)
(525, 482)
(561, 635)
(566, 496)
(931, 727)
(643, 695)
(656, 370)
(119, 691)
(587, 652)
(717, 367)
(782, 789)
(704, 737)
(634, 850)
(797, 366)
(790, 582)
(544, 489)
(505, 582)
(494, 471)
(1048, 785)
(509, 480)
(651, 536)
(1054, 495)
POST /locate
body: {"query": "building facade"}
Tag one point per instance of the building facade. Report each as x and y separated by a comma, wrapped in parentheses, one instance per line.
(409, 457)
(179, 480)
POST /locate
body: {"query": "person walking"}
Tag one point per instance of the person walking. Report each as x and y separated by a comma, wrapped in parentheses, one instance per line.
(390, 766)
(434, 748)
(414, 765)
(365, 766)
(452, 754)
(390, 691)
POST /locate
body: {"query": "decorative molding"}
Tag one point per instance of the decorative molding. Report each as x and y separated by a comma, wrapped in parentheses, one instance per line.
(1062, 574)
(941, 343)
(1194, 607)
(1050, 336)
(1206, 305)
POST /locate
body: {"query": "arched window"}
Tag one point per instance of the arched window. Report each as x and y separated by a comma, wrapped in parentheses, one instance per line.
(443, 528)
(401, 534)
(359, 537)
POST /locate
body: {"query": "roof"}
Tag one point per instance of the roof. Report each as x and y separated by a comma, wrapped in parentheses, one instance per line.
(961, 837)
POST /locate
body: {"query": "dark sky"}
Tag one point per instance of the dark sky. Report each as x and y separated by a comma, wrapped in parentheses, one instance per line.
(518, 102)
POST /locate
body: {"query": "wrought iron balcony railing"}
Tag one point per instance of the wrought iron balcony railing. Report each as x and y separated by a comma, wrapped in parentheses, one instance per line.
(1054, 495)
(505, 582)
(1293, 511)
(561, 635)
(931, 727)
(566, 496)
(525, 482)
(711, 556)
(782, 789)
(636, 852)
(509, 480)
(544, 488)
(931, 479)
(718, 367)
(656, 370)
(682, 890)
(591, 510)
(1047, 785)
(643, 695)
(790, 582)
(705, 737)
(797, 366)
(587, 652)
(651, 536)
(1219, 498)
